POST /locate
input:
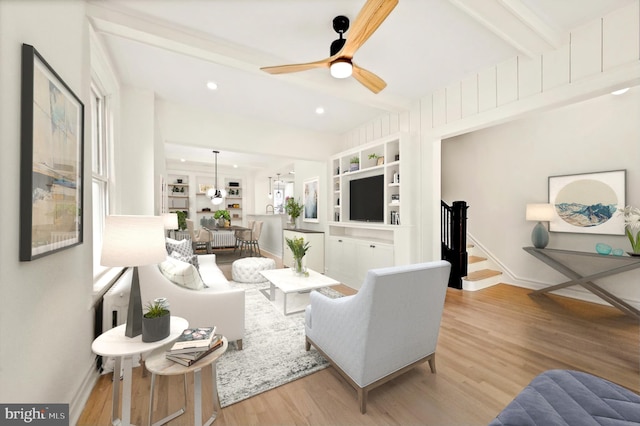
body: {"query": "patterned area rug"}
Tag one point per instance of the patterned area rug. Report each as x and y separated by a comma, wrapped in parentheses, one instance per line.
(273, 351)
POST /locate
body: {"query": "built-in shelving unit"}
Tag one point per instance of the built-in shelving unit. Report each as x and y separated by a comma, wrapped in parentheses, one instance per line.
(382, 157)
(178, 193)
(354, 247)
(232, 202)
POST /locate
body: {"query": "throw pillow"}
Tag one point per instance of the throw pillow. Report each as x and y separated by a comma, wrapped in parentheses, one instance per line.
(183, 247)
(181, 273)
(193, 259)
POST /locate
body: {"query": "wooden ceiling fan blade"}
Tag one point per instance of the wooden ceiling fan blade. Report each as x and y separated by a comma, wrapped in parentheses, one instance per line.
(283, 69)
(372, 14)
(368, 79)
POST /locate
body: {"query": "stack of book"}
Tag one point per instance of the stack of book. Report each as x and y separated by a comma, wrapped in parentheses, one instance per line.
(194, 344)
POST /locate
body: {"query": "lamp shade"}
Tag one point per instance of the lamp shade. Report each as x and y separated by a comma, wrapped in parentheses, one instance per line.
(540, 212)
(133, 241)
(170, 220)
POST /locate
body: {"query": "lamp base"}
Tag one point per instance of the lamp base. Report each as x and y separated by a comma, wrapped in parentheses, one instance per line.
(134, 312)
(539, 236)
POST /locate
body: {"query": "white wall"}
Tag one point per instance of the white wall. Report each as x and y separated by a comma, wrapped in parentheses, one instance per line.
(135, 155)
(46, 317)
(500, 169)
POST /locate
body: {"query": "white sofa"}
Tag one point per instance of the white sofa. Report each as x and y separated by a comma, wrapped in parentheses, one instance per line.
(390, 326)
(219, 304)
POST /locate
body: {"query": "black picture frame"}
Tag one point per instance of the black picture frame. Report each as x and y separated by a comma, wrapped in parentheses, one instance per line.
(51, 160)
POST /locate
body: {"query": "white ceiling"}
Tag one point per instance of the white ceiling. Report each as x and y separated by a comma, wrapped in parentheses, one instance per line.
(173, 47)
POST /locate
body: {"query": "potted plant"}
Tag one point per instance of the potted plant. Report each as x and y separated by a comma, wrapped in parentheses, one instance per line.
(354, 164)
(632, 228)
(293, 209)
(299, 249)
(156, 322)
(224, 215)
(379, 160)
(182, 220)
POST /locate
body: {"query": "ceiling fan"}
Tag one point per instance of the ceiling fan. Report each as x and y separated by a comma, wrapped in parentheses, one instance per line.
(372, 14)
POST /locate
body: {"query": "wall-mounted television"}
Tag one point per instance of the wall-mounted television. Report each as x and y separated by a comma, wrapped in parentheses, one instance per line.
(366, 199)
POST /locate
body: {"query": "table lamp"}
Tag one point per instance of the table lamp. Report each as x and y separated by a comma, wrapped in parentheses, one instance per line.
(170, 221)
(133, 241)
(540, 213)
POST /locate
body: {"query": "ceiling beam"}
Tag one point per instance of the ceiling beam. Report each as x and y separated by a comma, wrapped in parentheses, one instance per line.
(108, 20)
(514, 23)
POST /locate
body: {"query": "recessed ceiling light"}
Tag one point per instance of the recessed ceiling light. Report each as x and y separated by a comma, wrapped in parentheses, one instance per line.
(183, 160)
(211, 85)
(319, 110)
(620, 92)
(235, 166)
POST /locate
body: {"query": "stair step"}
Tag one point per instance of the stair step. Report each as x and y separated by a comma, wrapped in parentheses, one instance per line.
(476, 259)
(482, 274)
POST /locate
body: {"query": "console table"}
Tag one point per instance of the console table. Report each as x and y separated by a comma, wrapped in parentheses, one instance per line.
(596, 266)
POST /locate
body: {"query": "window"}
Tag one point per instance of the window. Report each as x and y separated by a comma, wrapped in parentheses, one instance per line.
(100, 144)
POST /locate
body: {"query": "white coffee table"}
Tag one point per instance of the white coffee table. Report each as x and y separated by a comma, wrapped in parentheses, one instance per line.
(289, 282)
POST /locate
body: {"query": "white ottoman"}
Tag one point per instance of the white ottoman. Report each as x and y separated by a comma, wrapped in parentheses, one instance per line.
(247, 269)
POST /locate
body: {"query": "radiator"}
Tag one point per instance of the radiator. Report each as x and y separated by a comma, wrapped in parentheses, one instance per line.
(116, 301)
(223, 239)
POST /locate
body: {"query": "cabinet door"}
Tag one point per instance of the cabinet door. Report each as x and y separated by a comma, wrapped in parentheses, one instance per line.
(341, 253)
(371, 255)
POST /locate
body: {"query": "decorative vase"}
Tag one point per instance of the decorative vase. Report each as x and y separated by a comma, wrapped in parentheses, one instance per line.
(293, 222)
(154, 329)
(299, 266)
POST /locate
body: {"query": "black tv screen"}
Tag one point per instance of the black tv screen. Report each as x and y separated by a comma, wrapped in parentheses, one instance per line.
(366, 199)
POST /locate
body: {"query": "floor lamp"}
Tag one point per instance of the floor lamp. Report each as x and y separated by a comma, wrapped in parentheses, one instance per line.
(132, 241)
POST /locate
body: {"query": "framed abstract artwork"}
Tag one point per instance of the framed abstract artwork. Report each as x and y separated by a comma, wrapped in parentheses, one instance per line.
(310, 201)
(51, 160)
(588, 203)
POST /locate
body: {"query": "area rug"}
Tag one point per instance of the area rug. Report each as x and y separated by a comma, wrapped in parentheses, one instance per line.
(273, 351)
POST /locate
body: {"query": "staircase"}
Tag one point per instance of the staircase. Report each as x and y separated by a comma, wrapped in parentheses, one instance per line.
(481, 271)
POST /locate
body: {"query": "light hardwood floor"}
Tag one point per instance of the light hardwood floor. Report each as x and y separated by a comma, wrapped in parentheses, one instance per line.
(492, 343)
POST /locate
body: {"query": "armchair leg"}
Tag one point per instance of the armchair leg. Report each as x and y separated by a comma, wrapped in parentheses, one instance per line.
(239, 344)
(362, 399)
(432, 363)
(307, 345)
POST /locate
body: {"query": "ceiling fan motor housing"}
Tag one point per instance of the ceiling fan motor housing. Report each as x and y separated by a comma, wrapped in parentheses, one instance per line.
(340, 25)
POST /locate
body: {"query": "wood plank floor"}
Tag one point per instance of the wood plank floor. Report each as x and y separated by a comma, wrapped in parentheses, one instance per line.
(492, 343)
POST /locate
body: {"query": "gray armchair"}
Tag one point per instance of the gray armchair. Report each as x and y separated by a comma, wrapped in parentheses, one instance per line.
(390, 326)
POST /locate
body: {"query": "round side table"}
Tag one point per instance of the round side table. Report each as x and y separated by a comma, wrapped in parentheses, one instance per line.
(158, 364)
(114, 343)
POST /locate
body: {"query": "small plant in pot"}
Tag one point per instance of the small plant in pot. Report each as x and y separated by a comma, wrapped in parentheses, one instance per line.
(156, 322)
(354, 164)
(224, 215)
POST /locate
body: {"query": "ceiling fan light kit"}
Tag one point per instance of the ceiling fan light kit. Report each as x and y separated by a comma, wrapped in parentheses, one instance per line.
(341, 68)
(340, 63)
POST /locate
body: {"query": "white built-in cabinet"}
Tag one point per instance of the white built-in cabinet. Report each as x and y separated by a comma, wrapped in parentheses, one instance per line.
(315, 255)
(354, 247)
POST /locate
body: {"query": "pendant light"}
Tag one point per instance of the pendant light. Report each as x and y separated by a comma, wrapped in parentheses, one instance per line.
(270, 195)
(215, 193)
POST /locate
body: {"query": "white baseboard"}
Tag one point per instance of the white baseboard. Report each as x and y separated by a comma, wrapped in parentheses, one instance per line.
(76, 406)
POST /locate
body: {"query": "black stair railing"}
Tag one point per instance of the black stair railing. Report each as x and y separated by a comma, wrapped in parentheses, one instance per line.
(453, 232)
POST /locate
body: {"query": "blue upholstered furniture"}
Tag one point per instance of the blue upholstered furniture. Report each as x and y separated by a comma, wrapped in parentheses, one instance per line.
(571, 398)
